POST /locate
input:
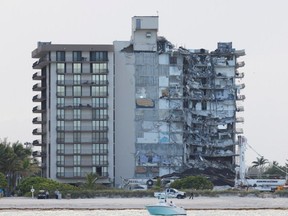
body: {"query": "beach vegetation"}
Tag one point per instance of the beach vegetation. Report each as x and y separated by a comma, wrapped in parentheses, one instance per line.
(16, 163)
(193, 182)
(39, 183)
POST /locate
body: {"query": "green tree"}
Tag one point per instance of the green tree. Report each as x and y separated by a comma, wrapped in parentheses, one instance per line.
(91, 179)
(260, 163)
(275, 170)
(15, 162)
(3, 181)
(193, 182)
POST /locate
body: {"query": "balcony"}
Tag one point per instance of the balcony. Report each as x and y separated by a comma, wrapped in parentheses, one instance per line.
(240, 119)
(38, 87)
(239, 75)
(83, 82)
(88, 151)
(38, 154)
(38, 98)
(37, 143)
(240, 64)
(38, 109)
(82, 128)
(42, 62)
(240, 97)
(240, 108)
(72, 175)
(37, 120)
(38, 76)
(37, 131)
(239, 130)
(239, 53)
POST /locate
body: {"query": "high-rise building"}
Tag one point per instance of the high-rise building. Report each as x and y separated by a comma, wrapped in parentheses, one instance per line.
(136, 109)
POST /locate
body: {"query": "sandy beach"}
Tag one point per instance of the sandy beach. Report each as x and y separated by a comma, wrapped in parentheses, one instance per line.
(198, 203)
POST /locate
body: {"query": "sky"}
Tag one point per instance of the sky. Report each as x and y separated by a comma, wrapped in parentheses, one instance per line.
(258, 26)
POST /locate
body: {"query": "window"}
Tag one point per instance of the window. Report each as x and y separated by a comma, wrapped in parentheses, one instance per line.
(60, 171)
(99, 67)
(99, 160)
(99, 56)
(60, 148)
(100, 148)
(60, 102)
(60, 114)
(77, 160)
(77, 90)
(77, 171)
(99, 79)
(99, 137)
(99, 102)
(76, 101)
(77, 56)
(77, 79)
(138, 23)
(60, 160)
(60, 67)
(77, 67)
(99, 91)
(60, 56)
(76, 113)
(60, 125)
(76, 148)
(60, 90)
(61, 79)
(76, 125)
(99, 114)
(76, 137)
(101, 171)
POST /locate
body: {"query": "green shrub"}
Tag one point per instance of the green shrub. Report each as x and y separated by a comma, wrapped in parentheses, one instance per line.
(40, 183)
(193, 182)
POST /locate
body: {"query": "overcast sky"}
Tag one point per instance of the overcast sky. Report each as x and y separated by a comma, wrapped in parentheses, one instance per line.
(258, 26)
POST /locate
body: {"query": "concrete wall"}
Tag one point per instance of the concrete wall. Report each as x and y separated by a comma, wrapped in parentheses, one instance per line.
(124, 113)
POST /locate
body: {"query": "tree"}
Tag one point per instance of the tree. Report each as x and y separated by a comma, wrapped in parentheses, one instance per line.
(91, 179)
(15, 162)
(275, 170)
(260, 163)
(3, 181)
(193, 182)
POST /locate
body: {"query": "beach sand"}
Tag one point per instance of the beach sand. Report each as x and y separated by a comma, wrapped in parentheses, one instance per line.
(198, 203)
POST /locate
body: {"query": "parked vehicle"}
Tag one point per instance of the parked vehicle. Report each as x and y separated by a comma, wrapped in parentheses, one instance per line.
(170, 193)
(41, 194)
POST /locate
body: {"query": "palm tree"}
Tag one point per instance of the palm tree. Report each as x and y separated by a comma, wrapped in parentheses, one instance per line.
(260, 162)
(15, 160)
(91, 179)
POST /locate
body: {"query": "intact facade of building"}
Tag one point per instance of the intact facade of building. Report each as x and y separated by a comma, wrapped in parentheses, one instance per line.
(136, 109)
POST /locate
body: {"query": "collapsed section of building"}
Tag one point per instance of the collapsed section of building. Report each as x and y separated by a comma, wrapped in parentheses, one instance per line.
(188, 107)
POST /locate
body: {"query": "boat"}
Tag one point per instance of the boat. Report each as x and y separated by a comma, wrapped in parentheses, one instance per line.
(165, 208)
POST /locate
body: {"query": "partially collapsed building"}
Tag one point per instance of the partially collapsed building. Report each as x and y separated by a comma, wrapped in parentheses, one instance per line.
(164, 109)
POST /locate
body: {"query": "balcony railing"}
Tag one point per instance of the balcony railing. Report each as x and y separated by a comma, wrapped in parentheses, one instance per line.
(78, 175)
(38, 87)
(37, 109)
(82, 128)
(38, 98)
(38, 76)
